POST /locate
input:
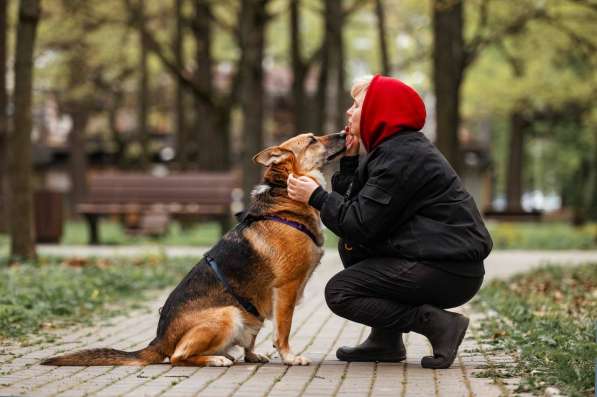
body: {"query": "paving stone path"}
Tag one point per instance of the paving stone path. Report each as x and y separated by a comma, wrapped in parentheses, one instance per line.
(316, 333)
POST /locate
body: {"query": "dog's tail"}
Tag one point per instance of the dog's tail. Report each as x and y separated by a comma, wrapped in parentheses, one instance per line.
(149, 355)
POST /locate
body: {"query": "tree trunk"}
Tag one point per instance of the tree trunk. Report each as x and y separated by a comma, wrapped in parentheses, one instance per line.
(299, 72)
(448, 68)
(593, 182)
(252, 29)
(3, 118)
(78, 107)
(335, 98)
(515, 163)
(22, 230)
(78, 157)
(212, 143)
(321, 96)
(381, 29)
(580, 205)
(143, 96)
(182, 139)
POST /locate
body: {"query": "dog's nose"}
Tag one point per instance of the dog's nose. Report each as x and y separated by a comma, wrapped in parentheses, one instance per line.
(342, 134)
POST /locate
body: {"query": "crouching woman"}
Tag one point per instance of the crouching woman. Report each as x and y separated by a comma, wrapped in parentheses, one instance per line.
(412, 240)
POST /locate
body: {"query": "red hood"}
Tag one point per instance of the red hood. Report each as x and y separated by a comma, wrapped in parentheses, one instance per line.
(390, 106)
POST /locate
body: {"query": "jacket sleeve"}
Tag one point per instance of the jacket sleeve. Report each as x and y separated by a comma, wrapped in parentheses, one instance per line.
(376, 208)
(341, 180)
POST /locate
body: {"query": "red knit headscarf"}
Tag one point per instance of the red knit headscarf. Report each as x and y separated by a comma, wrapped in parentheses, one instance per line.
(390, 106)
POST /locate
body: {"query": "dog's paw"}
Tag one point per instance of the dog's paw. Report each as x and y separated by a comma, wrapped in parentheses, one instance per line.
(291, 359)
(219, 361)
(256, 358)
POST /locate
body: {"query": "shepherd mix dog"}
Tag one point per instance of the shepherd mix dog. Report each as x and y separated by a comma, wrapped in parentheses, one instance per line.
(257, 270)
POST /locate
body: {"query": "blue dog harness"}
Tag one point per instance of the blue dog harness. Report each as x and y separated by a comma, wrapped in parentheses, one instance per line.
(244, 302)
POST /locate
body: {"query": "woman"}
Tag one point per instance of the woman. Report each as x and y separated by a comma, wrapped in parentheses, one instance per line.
(412, 240)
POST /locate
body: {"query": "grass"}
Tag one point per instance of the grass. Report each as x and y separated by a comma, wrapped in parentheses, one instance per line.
(112, 233)
(506, 235)
(36, 297)
(542, 236)
(547, 318)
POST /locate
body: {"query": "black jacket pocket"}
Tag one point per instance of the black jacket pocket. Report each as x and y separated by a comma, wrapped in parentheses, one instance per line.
(375, 193)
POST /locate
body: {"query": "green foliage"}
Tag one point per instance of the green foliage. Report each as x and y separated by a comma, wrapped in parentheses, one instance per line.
(545, 71)
(542, 236)
(53, 292)
(112, 233)
(547, 318)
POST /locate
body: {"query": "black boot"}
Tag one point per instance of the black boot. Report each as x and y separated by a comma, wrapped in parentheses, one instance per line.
(383, 344)
(445, 330)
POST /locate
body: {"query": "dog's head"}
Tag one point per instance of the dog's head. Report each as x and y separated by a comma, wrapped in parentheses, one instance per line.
(303, 154)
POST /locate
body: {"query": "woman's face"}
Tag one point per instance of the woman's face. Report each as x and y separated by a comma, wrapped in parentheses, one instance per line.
(354, 115)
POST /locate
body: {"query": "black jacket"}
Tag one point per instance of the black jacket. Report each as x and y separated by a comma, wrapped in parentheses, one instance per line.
(405, 200)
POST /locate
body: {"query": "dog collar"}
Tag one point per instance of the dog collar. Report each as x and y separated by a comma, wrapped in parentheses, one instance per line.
(296, 225)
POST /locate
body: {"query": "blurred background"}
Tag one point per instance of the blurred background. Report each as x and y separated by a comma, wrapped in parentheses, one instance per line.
(131, 121)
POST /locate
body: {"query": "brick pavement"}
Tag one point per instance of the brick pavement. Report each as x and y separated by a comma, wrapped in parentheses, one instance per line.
(316, 333)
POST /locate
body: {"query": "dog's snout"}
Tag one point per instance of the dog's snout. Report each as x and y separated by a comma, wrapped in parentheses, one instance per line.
(342, 134)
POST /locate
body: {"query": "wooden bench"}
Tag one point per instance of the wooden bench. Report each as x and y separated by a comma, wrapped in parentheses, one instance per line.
(152, 200)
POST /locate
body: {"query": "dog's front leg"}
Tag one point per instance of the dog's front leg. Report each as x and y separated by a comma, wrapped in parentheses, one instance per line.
(284, 302)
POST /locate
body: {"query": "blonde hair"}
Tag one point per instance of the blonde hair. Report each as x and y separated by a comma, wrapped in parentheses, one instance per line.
(360, 85)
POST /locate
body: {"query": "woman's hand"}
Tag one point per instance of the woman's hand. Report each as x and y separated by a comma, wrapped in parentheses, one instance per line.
(301, 188)
(352, 143)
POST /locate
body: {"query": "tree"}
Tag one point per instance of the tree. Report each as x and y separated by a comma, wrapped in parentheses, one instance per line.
(212, 144)
(452, 55)
(22, 231)
(382, 34)
(299, 70)
(542, 90)
(253, 18)
(182, 132)
(448, 69)
(331, 91)
(219, 105)
(143, 95)
(3, 116)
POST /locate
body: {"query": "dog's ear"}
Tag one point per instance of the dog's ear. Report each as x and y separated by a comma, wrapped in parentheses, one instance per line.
(272, 155)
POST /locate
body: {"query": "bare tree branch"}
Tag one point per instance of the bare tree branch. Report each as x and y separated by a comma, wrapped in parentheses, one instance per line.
(514, 62)
(579, 39)
(592, 5)
(183, 75)
(352, 8)
(516, 26)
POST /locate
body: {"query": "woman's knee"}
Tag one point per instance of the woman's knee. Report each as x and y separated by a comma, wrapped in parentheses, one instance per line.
(336, 293)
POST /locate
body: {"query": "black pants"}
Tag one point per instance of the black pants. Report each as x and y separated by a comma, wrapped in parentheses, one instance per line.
(386, 292)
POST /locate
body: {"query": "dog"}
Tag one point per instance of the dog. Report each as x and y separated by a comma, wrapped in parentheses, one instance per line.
(256, 271)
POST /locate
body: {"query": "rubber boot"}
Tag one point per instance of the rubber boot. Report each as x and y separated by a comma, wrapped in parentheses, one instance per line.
(383, 344)
(445, 330)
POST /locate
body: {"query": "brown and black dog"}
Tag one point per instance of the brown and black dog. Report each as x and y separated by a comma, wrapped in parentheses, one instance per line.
(265, 261)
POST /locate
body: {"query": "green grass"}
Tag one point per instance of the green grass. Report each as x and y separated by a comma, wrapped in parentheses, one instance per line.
(112, 233)
(542, 236)
(529, 236)
(547, 318)
(58, 292)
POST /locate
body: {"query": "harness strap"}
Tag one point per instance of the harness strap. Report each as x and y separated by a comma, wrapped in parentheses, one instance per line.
(244, 302)
(296, 225)
(246, 217)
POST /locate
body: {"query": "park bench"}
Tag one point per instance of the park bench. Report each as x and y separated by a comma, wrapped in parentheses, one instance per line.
(147, 202)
